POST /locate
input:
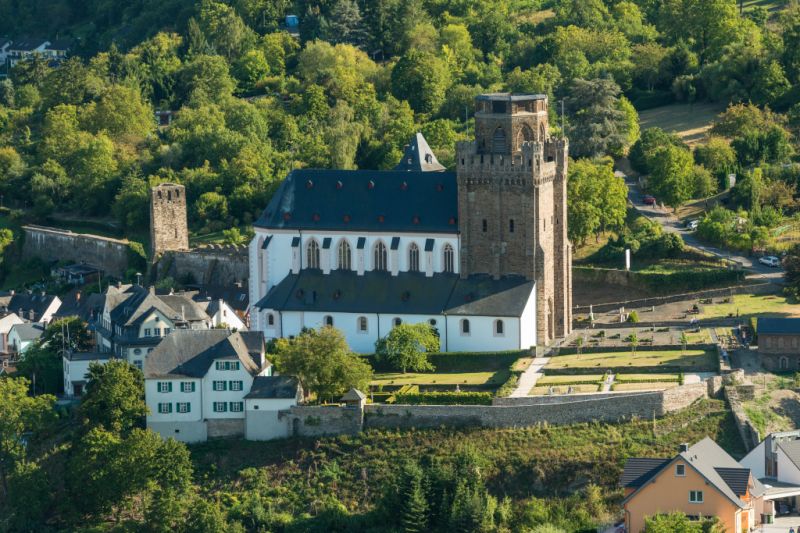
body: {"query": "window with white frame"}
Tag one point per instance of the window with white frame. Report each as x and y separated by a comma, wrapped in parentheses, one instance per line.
(218, 385)
(234, 365)
(449, 259)
(164, 386)
(312, 254)
(464, 326)
(220, 407)
(236, 385)
(413, 257)
(158, 332)
(680, 469)
(138, 364)
(164, 408)
(379, 256)
(147, 332)
(362, 324)
(345, 262)
(237, 407)
(184, 407)
(695, 496)
(187, 386)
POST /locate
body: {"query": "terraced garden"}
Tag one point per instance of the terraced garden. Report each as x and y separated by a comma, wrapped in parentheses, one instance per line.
(690, 360)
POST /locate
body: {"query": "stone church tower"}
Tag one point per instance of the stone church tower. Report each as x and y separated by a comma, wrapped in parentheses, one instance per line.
(168, 224)
(512, 203)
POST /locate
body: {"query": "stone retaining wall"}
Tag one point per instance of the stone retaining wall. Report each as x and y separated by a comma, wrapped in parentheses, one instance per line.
(212, 265)
(316, 421)
(53, 244)
(749, 434)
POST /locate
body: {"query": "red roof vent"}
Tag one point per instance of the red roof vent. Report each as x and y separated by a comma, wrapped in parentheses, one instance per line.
(346, 218)
(381, 218)
(439, 187)
(415, 220)
(370, 185)
(287, 216)
(315, 217)
(404, 186)
(452, 221)
(339, 185)
(309, 184)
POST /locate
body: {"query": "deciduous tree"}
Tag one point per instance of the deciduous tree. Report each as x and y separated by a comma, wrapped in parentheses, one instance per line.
(407, 346)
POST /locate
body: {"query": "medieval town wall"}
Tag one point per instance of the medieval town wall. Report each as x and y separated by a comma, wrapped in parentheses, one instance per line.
(52, 244)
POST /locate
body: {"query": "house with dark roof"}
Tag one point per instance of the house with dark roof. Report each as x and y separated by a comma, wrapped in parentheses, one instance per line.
(779, 343)
(134, 320)
(202, 384)
(700, 481)
(30, 305)
(776, 464)
(54, 50)
(22, 336)
(76, 369)
(481, 254)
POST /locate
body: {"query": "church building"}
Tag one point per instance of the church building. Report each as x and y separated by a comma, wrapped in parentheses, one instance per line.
(481, 253)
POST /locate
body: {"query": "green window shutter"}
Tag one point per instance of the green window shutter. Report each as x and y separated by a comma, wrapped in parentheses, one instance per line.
(193, 385)
(169, 405)
(169, 386)
(188, 407)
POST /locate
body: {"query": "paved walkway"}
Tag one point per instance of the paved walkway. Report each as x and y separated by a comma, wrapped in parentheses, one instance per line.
(529, 378)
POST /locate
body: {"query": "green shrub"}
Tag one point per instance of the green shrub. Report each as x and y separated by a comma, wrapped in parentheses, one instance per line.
(633, 317)
(444, 398)
(461, 361)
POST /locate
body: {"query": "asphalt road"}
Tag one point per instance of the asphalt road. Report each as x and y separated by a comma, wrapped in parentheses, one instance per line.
(671, 224)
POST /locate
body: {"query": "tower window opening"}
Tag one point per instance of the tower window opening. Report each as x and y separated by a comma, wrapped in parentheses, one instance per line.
(511, 226)
(485, 225)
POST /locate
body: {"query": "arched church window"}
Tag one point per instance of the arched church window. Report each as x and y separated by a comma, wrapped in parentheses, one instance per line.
(312, 254)
(448, 258)
(499, 328)
(329, 321)
(413, 257)
(379, 256)
(465, 326)
(345, 262)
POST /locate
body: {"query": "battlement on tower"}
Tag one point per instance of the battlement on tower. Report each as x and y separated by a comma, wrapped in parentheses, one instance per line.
(536, 160)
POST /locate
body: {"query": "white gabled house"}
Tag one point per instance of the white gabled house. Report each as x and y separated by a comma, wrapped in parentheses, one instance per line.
(197, 384)
(76, 370)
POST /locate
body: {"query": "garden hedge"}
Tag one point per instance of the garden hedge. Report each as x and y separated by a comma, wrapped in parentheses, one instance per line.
(444, 398)
(460, 361)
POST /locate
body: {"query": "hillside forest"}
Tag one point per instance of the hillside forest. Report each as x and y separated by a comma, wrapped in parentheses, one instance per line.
(250, 102)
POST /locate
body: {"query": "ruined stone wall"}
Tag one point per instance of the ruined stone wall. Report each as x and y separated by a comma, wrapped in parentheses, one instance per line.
(168, 221)
(212, 265)
(221, 428)
(52, 244)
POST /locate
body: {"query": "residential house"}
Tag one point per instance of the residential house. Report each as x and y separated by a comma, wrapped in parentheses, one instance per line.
(776, 463)
(31, 306)
(21, 336)
(236, 297)
(77, 274)
(134, 320)
(779, 343)
(76, 369)
(23, 49)
(7, 321)
(87, 307)
(222, 314)
(700, 480)
(200, 384)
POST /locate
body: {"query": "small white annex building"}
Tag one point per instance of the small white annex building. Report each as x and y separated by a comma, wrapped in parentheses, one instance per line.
(76, 370)
(206, 383)
(22, 336)
(776, 463)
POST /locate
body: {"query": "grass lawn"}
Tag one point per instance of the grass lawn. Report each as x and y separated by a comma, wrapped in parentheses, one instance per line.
(622, 378)
(689, 122)
(621, 387)
(689, 359)
(568, 380)
(584, 252)
(455, 378)
(702, 337)
(563, 389)
(752, 305)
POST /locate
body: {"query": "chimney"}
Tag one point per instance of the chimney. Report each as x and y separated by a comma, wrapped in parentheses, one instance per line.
(119, 284)
(11, 292)
(152, 289)
(683, 447)
(78, 297)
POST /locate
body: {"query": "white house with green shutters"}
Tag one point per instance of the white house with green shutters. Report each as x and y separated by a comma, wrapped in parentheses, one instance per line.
(196, 382)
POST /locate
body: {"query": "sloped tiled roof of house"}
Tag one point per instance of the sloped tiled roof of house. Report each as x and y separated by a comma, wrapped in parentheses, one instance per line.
(712, 462)
(792, 450)
(28, 332)
(274, 387)
(778, 326)
(190, 353)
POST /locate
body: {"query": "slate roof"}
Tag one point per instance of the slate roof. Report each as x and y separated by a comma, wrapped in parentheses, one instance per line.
(238, 298)
(90, 356)
(190, 353)
(254, 341)
(134, 304)
(407, 293)
(778, 326)
(792, 450)
(28, 332)
(418, 157)
(185, 307)
(27, 301)
(87, 307)
(364, 200)
(709, 460)
(639, 470)
(274, 388)
(353, 395)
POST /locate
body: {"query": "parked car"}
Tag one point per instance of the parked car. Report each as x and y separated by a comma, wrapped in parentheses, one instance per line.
(649, 200)
(770, 261)
(692, 225)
